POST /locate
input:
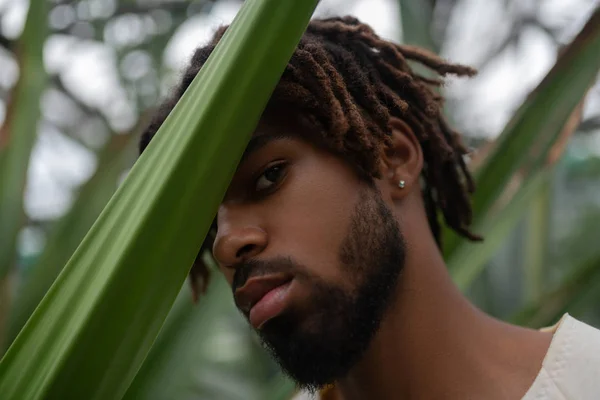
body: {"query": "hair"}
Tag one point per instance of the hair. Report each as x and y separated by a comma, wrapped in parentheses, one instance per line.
(347, 83)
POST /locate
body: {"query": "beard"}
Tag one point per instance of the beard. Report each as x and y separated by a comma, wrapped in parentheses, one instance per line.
(345, 319)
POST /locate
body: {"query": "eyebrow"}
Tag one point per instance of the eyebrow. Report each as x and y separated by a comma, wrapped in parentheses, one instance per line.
(258, 142)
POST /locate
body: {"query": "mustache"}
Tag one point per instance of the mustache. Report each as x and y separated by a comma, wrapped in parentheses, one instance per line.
(254, 268)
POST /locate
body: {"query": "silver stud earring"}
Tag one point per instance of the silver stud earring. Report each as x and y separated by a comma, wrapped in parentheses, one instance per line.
(401, 184)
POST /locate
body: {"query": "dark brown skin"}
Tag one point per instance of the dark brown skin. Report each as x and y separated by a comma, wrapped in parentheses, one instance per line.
(432, 344)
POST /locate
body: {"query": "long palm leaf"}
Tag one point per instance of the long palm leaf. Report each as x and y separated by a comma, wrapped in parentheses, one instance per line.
(91, 332)
(70, 230)
(527, 139)
(579, 290)
(205, 351)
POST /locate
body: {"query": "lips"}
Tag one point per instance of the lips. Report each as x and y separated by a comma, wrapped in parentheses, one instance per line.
(263, 298)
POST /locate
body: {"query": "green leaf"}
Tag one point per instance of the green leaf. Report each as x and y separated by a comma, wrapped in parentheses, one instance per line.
(572, 276)
(206, 351)
(70, 230)
(282, 389)
(578, 292)
(93, 329)
(536, 242)
(528, 137)
(19, 132)
(541, 118)
(470, 258)
(416, 17)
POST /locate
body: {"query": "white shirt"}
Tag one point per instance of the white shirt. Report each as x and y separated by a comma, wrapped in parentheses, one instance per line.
(571, 368)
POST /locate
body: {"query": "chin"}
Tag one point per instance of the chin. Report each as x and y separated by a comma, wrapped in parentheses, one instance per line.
(312, 351)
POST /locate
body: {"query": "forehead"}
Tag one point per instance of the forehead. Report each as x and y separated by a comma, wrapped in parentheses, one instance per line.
(282, 125)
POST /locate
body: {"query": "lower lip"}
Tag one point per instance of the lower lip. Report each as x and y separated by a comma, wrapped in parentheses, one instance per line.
(271, 305)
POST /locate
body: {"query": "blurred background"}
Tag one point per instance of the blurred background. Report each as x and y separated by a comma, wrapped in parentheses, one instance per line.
(79, 78)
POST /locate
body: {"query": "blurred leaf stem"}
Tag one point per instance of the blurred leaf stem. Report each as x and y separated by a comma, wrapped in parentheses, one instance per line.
(536, 242)
(17, 137)
(525, 147)
(416, 17)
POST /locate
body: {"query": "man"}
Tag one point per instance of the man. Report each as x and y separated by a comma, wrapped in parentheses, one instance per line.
(329, 236)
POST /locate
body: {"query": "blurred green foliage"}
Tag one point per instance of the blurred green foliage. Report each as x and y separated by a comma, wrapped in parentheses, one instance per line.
(539, 260)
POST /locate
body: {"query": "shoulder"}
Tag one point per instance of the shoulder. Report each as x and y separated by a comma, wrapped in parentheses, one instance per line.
(571, 368)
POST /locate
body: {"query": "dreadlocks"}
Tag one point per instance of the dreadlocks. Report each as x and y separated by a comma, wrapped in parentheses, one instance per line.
(347, 83)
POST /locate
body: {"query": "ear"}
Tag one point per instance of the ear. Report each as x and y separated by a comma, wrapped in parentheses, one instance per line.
(402, 160)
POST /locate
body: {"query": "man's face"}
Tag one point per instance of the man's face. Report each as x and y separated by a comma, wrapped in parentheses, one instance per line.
(312, 252)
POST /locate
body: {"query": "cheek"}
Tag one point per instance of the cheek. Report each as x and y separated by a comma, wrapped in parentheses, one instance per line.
(311, 218)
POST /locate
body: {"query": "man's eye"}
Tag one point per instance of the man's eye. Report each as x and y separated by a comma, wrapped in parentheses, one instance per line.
(269, 178)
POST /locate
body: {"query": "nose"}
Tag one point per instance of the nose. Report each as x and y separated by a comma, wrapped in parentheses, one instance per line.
(237, 242)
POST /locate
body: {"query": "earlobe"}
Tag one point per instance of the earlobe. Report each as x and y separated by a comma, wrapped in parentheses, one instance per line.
(402, 159)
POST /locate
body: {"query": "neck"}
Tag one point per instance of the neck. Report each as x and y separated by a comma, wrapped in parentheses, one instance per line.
(434, 344)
